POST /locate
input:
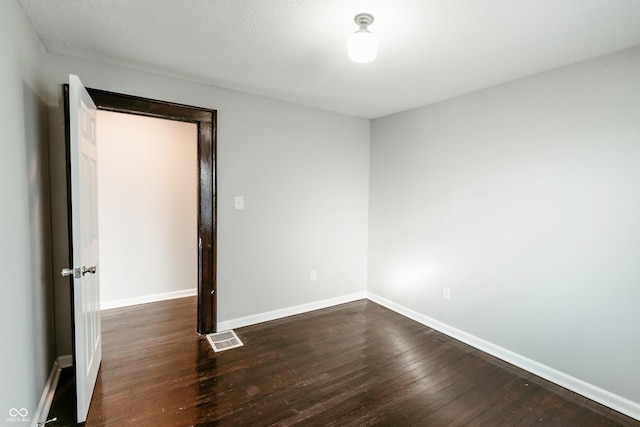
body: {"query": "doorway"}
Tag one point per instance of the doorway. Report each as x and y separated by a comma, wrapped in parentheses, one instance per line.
(147, 209)
(205, 120)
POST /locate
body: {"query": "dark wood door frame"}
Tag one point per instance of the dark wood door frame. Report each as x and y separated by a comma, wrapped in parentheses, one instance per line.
(207, 124)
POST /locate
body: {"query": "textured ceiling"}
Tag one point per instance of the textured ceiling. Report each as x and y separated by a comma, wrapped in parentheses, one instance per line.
(295, 50)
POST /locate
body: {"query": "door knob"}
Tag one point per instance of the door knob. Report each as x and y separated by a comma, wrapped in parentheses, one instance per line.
(67, 272)
(78, 272)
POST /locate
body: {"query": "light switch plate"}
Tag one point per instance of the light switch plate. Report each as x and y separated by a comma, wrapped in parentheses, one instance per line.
(239, 202)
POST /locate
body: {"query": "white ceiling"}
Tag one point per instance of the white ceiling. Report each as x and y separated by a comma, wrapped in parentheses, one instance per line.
(295, 50)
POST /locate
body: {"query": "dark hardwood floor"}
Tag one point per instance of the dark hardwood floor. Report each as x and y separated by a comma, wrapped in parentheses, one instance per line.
(356, 364)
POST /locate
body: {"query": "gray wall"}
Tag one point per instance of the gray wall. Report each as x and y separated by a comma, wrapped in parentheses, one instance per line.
(27, 341)
(524, 200)
(304, 174)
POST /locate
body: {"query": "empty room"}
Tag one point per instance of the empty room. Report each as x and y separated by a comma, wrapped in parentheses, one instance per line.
(399, 213)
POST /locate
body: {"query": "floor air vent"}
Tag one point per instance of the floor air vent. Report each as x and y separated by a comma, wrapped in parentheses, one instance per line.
(224, 341)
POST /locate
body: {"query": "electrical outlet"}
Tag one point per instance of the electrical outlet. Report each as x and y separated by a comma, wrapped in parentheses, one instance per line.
(314, 275)
(446, 293)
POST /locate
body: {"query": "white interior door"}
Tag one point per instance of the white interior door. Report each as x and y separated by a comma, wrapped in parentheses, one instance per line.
(84, 213)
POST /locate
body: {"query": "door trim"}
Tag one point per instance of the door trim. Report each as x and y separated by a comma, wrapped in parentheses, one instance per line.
(206, 121)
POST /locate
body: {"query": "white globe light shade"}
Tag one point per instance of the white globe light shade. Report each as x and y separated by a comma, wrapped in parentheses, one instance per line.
(363, 46)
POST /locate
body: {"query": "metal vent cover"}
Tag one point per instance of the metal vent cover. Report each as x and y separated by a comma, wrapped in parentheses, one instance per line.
(225, 340)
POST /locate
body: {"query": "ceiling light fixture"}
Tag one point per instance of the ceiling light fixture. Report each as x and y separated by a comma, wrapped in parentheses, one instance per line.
(363, 45)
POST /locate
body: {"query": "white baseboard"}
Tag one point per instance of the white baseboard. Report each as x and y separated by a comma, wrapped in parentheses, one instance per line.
(590, 391)
(50, 389)
(65, 361)
(125, 302)
(289, 311)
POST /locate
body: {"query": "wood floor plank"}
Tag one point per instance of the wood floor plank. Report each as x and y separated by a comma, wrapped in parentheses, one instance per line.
(355, 364)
